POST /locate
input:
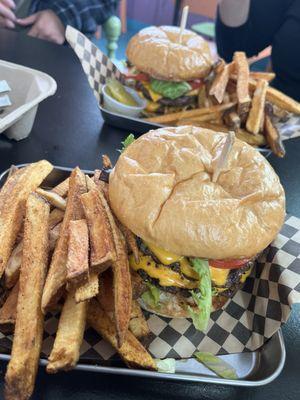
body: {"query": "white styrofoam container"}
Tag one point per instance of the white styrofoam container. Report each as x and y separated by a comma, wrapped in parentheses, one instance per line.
(28, 88)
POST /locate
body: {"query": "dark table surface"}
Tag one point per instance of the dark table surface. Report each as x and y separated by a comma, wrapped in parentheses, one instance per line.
(69, 131)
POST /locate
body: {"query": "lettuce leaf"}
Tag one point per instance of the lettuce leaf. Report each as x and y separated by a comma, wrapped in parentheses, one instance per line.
(202, 297)
(168, 365)
(152, 295)
(130, 139)
(216, 364)
(171, 90)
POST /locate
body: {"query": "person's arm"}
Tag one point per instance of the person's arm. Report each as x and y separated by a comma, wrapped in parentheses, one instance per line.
(248, 25)
(84, 15)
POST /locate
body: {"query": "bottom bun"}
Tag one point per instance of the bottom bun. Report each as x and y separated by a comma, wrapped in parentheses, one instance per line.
(174, 306)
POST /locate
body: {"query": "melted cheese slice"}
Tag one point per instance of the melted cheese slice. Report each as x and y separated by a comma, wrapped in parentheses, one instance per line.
(165, 275)
(167, 258)
(154, 96)
(219, 275)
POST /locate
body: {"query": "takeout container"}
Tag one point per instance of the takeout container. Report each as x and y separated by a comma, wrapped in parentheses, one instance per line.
(28, 88)
(113, 105)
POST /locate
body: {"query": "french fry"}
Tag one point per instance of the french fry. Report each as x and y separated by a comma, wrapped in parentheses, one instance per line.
(122, 278)
(242, 87)
(78, 252)
(232, 120)
(138, 285)
(138, 325)
(219, 84)
(55, 217)
(89, 289)
(62, 188)
(131, 351)
(256, 114)
(13, 266)
(173, 117)
(201, 118)
(23, 365)
(8, 312)
(253, 140)
(69, 336)
(106, 162)
(267, 76)
(53, 236)
(13, 205)
(12, 170)
(275, 97)
(130, 240)
(273, 137)
(54, 199)
(201, 97)
(7, 188)
(12, 270)
(57, 274)
(101, 237)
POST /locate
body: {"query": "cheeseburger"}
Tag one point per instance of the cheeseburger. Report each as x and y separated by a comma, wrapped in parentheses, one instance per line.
(167, 73)
(198, 237)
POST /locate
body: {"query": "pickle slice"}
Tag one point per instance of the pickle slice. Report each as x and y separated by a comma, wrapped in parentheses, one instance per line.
(117, 91)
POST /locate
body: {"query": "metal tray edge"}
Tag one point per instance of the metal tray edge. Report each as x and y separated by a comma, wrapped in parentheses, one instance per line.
(159, 375)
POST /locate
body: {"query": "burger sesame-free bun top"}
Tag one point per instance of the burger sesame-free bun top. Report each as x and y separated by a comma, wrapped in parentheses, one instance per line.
(157, 51)
(161, 188)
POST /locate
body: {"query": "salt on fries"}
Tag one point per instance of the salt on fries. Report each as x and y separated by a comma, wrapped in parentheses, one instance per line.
(88, 280)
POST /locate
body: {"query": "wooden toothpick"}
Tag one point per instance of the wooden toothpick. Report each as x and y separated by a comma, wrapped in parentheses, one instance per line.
(223, 157)
(184, 16)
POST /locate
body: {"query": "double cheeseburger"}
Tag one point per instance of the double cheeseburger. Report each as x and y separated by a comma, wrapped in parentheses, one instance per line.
(198, 239)
(167, 73)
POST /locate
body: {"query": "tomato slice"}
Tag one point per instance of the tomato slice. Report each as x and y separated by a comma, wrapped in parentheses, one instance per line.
(228, 264)
(138, 77)
(196, 84)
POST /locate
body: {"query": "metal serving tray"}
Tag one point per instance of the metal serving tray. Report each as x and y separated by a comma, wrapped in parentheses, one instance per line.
(253, 369)
(140, 126)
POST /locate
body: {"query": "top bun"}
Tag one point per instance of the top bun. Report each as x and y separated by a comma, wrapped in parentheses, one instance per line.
(161, 189)
(156, 51)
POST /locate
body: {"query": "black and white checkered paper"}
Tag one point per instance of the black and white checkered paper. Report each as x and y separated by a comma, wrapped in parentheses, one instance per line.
(246, 322)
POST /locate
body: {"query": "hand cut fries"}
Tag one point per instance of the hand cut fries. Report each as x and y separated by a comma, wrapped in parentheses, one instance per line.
(57, 274)
(73, 268)
(101, 237)
(65, 352)
(78, 252)
(89, 289)
(241, 98)
(267, 76)
(131, 351)
(8, 312)
(13, 205)
(54, 199)
(122, 278)
(242, 70)
(219, 85)
(256, 114)
(273, 137)
(62, 188)
(22, 368)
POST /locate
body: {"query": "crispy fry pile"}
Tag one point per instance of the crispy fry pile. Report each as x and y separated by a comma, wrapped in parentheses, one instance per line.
(233, 98)
(63, 249)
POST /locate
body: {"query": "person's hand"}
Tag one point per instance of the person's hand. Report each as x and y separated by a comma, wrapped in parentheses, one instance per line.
(45, 25)
(7, 16)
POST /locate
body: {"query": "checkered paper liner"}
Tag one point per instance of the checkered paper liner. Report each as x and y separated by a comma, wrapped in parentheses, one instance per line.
(246, 322)
(98, 67)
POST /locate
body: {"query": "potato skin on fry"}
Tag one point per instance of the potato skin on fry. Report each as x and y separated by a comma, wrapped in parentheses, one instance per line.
(22, 368)
(13, 199)
(65, 352)
(57, 274)
(131, 351)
